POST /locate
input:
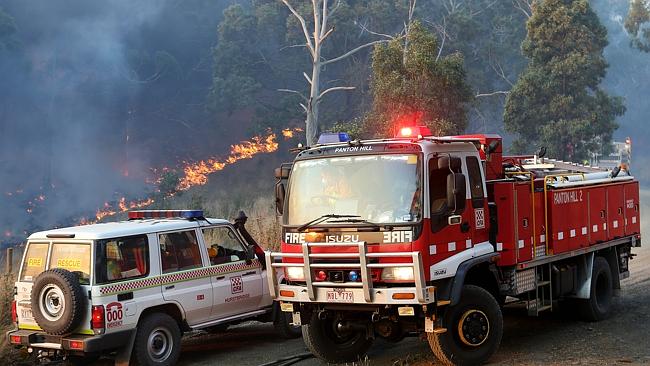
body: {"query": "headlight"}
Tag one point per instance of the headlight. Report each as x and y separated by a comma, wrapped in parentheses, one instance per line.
(294, 273)
(397, 274)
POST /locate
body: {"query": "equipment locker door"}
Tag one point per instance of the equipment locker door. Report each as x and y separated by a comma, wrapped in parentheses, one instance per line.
(615, 214)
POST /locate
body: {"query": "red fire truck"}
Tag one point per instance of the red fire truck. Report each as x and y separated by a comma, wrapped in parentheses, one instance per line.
(429, 235)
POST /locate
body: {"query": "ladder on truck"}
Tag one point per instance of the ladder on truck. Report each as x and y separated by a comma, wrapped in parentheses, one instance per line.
(541, 298)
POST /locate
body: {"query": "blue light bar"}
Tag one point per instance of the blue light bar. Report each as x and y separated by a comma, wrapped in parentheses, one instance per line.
(333, 137)
(165, 214)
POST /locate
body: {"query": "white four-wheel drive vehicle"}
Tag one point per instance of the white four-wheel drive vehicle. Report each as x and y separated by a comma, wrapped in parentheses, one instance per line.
(135, 286)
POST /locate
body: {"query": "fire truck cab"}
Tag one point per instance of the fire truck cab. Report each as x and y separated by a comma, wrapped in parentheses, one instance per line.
(429, 235)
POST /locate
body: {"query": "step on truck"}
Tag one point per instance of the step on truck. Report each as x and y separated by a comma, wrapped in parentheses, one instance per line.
(429, 235)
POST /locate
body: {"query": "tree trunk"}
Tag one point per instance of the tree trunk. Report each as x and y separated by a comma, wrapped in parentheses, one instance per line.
(313, 102)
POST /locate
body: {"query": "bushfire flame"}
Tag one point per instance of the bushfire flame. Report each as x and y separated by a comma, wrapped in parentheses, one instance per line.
(196, 174)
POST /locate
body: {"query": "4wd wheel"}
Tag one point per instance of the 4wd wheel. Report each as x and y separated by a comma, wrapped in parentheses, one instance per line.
(599, 304)
(57, 301)
(331, 341)
(474, 329)
(158, 341)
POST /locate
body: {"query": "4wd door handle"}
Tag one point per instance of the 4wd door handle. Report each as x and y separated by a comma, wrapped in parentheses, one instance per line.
(248, 273)
(170, 287)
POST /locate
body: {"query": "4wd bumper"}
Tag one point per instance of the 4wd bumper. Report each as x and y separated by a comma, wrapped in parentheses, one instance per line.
(73, 342)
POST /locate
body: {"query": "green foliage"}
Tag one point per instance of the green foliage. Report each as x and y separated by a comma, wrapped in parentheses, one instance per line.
(234, 83)
(416, 87)
(636, 24)
(354, 128)
(168, 183)
(557, 102)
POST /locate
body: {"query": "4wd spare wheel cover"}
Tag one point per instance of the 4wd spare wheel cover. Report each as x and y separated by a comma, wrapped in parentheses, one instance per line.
(57, 301)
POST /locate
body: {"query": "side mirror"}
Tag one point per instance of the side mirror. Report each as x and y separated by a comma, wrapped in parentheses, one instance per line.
(279, 198)
(456, 192)
(282, 172)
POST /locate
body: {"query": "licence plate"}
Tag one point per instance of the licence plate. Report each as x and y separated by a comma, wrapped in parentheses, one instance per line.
(26, 314)
(340, 296)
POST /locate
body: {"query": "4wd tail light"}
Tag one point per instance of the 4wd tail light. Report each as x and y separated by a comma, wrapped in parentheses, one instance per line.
(14, 312)
(97, 322)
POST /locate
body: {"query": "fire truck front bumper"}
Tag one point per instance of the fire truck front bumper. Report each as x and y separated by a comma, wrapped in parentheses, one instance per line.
(361, 291)
(356, 295)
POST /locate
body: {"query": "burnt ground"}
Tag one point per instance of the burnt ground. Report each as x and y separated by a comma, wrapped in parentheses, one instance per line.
(553, 338)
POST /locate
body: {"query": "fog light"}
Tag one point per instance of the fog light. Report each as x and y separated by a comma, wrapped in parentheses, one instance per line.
(321, 276)
(286, 307)
(406, 311)
(353, 276)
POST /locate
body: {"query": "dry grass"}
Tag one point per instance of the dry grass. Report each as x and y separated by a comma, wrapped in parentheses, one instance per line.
(8, 354)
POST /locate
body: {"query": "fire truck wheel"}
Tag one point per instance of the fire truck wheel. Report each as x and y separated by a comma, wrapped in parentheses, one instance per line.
(474, 329)
(158, 341)
(329, 340)
(57, 301)
(599, 304)
(283, 326)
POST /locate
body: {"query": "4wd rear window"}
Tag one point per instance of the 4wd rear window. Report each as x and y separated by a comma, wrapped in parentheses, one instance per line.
(35, 260)
(120, 259)
(73, 257)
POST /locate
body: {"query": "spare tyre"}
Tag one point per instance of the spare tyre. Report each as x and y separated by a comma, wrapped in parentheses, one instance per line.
(57, 301)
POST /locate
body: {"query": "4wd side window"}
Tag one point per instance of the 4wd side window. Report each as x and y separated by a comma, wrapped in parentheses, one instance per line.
(475, 181)
(179, 251)
(121, 258)
(223, 245)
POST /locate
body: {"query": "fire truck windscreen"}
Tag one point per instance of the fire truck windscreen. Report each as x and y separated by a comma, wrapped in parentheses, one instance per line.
(378, 188)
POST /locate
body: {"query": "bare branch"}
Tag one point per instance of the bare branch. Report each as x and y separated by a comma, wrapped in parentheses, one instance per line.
(352, 52)
(323, 27)
(304, 107)
(499, 70)
(364, 29)
(327, 34)
(525, 6)
(303, 24)
(294, 92)
(502, 92)
(307, 77)
(294, 46)
(317, 20)
(334, 89)
(336, 7)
